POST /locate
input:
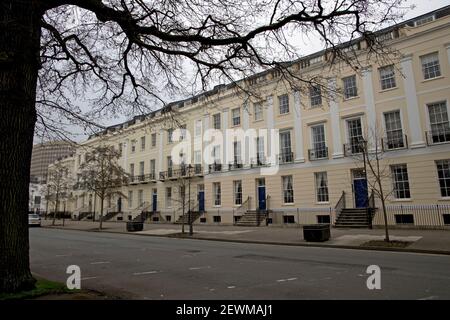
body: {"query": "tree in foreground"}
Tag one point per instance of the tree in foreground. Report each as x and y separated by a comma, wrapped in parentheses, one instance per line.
(121, 55)
(102, 174)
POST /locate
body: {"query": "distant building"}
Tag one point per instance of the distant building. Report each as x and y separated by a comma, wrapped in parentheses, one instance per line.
(43, 155)
(46, 153)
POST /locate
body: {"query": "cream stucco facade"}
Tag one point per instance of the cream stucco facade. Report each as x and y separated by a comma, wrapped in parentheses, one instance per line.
(406, 99)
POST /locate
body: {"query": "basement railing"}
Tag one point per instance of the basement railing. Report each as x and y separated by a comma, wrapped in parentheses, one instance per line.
(340, 205)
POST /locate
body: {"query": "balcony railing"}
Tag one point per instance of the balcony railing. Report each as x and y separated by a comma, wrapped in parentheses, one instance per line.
(215, 167)
(286, 157)
(394, 142)
(318, 153)
(235, 165)
(258, 162)
(438, 136)
(353, 148)
(186, 171)
(198, 170)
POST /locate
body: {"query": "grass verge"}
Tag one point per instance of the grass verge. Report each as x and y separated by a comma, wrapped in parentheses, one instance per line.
(385, 244)
(43, 287)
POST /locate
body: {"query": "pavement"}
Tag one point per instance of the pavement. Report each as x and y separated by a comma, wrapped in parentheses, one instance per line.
(421, 241)
(142, 267)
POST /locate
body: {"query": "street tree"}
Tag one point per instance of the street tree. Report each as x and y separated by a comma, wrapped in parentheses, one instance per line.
(369, 153)
(102, 174)
(59, 185)
(120, 55)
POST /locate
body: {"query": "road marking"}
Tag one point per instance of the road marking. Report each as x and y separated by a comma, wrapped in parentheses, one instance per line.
(231, 287)
(88, 278)
(146, 272)
(429, 298)
(63, 255)
(289, 279)
(198, 268)
(100, 262)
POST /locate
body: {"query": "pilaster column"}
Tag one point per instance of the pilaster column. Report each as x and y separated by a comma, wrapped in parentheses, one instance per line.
(335, 120)
(205, 129)
(161, 148)
(415, 126)
(298, 129)
(224, 139)
(370, 101)
(447, 46)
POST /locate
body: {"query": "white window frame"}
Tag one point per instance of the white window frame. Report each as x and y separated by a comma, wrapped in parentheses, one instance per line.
(395, 182)
(401, 127)
(285, 192)
(429, 124)
(153, 138)
(312, 142)
(236, 117)
(141, 168)
(437, 72)
(446, 180)
(258, 111)
(315, 96)
(387, 82)
(318, 188)
(347, 131)
(355, 93)
(130, 199)
(283, 104)
(169, 197)
(143, 143)
(282, 148)
(153, 167)
(140, 198)
(169, 135)
(217, 194)
(237, 192)
(217, 119)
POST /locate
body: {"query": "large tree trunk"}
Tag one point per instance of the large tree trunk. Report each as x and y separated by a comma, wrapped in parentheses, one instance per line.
(19, 64)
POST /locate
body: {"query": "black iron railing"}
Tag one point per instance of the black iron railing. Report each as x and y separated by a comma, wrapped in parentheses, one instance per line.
(318, 153)
(286, 157)
(394, 142)
(215, 167)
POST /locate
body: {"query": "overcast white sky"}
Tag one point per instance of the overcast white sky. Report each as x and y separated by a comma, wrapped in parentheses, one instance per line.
(310, 45)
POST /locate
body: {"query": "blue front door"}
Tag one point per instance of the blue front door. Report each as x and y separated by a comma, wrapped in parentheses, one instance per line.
(201, 201)
(262, 198)
(360, 187)
(155, 202)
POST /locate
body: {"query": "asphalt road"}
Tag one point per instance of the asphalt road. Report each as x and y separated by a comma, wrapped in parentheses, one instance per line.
(142, 267)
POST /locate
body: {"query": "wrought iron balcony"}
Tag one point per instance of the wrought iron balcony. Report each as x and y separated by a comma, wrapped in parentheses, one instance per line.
(286, 157)
(259, 161)
(394, 142)
(198, 169)
(215, 167)
(438, 136)
(353, 148)
(235, 165)
(318, 153)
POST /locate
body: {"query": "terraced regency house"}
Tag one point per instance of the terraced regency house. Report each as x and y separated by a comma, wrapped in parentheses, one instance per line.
(308, 172)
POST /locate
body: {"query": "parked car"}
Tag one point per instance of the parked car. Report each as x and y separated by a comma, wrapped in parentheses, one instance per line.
(34, 220)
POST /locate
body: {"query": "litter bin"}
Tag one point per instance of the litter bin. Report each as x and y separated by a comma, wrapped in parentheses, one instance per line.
(316, 232)
(135, 226)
